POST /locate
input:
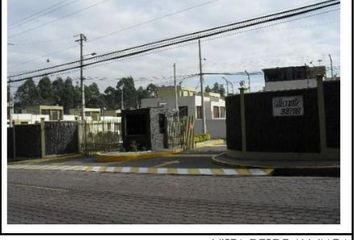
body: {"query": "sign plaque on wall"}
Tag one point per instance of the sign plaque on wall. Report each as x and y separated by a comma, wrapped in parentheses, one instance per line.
(288, 106)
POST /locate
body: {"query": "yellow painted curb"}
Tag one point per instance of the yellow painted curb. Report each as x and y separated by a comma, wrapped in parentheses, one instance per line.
(106, 157)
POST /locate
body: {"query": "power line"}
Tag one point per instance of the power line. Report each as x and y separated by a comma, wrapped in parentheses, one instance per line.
(45, 11)
(153, 20)
(131, 27)
(184, 44)
(217, 37)
(57, 19)
(190, 37)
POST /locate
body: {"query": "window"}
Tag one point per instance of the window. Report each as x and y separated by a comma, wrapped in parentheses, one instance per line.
(87, 114)
(54, 115)
(222, 112)
(45, 112)
(183, 111)
(216, 112)
(199, 112)
(162, 126)
(95, 116)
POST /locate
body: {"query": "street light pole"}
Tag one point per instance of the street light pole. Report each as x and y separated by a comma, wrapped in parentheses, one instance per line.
(330, 59)
(249, 81)
(202, 88)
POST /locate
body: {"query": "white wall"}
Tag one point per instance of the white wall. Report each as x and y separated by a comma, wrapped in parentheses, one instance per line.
(111, 119)
(27, 117)
(292, 84)
(215, 127)
(69, 117)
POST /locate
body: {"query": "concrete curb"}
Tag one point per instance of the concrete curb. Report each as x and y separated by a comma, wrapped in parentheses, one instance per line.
(287, 171)
(147, 170)
(210, 143)
(110, 157)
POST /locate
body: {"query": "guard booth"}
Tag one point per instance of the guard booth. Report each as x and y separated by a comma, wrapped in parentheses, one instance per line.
(144, 129)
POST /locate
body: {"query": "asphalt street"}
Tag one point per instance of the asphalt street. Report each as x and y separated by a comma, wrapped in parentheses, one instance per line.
(197, 158)
(44, 196)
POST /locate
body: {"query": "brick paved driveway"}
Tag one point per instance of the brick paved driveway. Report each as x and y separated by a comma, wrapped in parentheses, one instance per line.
(77, 197)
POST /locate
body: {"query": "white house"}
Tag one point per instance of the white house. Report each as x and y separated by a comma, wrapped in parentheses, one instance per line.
(28, 118)
(190, 104)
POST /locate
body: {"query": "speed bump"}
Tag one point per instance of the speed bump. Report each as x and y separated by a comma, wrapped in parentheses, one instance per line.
(153, 170)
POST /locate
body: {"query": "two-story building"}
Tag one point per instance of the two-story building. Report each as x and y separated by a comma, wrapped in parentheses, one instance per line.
(91, 114)
(54, 112)
(190, 104)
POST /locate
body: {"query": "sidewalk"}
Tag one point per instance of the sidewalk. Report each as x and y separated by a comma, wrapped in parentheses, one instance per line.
(48, 158)
(284, 167)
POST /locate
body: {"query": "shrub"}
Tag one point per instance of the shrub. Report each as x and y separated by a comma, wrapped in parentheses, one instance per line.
(202, 137)
(133, 147)
(121, 148)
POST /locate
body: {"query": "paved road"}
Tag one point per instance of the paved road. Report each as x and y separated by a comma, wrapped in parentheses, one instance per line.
(43, 196)
(197, 158)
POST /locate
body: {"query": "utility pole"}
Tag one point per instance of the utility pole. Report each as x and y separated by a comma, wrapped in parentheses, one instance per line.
(122, 98)
(202, 88)
(176, 90)
(330, 60)
(10, 104)
(81, 40)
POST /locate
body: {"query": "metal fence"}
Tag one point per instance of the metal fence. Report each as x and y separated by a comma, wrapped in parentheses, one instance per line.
(99, 136)
(180, 132)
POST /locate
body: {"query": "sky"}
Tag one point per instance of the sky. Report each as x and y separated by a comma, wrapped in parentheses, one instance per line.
(117, 24)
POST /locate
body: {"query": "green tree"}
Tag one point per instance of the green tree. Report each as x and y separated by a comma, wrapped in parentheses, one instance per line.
(218, 88)
(152, 90)
(93, 97)
(77, 96)
(45, 91)
(68, 98)
(58, 88)
(142, 93)
(26, 95)
(110, 101)
(129, 92)
(208, 89)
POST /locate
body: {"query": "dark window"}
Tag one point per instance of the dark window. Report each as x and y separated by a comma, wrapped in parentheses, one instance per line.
(199, 112)
(183, 111)
(95, 116)
(55, 115)
(136, 124)
(45, 112)
(222, 112)
(216, 112)
(162, 126)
